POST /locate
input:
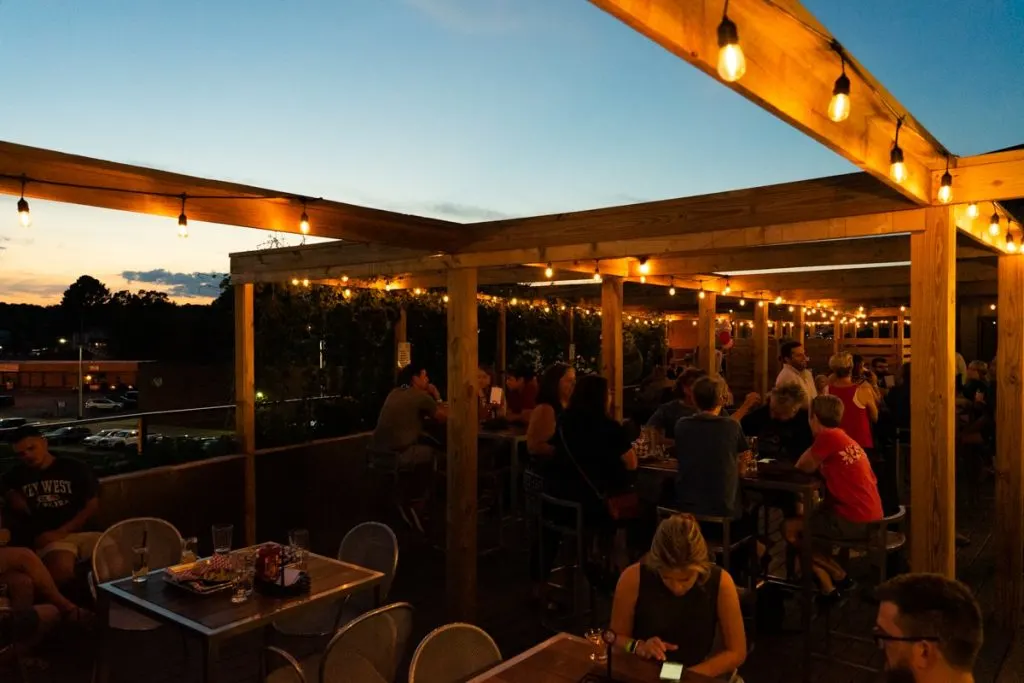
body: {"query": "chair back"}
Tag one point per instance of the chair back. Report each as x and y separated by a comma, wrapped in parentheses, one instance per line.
(281, 667)
(563, 511)
(372, 545)
(452, 654)
(378, 638)
(113, 557)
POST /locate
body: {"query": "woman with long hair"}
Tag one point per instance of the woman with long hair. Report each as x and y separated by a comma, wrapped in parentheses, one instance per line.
(556, 386)
(676, 605)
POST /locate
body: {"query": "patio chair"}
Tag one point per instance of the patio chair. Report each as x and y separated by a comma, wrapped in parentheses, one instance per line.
(372, 545)
(452, 654)
(564, 518)
(374, 642)
(281, 667)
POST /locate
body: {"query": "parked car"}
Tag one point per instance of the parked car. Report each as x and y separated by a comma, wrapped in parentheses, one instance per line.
(94, 440)
(12, 422)
(104, 404)
(133, 441)
(67, 435)
(118, 438)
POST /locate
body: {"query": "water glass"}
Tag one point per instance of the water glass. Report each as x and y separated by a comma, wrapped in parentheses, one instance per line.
(298, 539)
(596, 638)
(189, 550)
(140, 563)
(243, 565)
(222, 535)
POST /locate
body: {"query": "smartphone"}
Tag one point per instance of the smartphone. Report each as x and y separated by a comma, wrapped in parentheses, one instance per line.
(671, 671)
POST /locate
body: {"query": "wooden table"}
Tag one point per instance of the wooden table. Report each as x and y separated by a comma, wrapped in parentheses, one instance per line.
(565, 658)
(213, 618)
(513, 435)
(804, 486)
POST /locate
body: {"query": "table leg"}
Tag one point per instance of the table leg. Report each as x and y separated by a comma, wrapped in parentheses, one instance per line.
(513, 464)
(102, 656)
(211, 653)
(807, 578)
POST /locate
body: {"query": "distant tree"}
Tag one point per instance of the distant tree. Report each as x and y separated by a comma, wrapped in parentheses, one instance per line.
(84, 294)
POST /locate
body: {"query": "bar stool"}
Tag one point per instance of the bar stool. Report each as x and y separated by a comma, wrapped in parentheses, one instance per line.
(565, 518)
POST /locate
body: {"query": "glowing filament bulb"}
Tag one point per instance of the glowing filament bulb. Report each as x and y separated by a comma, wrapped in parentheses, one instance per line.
(731, 62)
(945, 194)
(972, 210)
(23, 213)
(993, 224)
(839, 106)
(549, 271)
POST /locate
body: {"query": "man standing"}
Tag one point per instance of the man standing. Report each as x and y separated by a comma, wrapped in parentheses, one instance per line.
(930, 628)
(55, 498)
(794, 369)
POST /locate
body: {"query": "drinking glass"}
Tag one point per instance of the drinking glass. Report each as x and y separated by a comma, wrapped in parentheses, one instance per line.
(189, 549)
(243, 565)
(140, 563)
(222, 534)
(596, 638)
(298, 539)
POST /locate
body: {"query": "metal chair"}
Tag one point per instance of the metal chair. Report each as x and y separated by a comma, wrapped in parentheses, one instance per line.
(725, 546)
(372, 545)
(281, 667)
(565, 518)
(452, 654)
(375, 642)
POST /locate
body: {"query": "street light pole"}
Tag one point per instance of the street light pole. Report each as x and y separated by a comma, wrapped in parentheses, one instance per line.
(81, 378)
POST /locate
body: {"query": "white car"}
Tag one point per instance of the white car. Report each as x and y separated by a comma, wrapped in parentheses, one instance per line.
(119, 438)
(103, 404)
(94, 440)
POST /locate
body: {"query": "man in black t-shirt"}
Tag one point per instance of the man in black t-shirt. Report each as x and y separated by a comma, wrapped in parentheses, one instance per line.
(781, 426)
(55, 499)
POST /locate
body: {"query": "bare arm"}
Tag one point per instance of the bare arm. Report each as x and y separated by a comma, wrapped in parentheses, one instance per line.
(540, 430)
(627, 590)
(752, 401)
(734, 640)
(807, 462)
(79, 521)
(17, 502)
(867, 397)
(630, 460)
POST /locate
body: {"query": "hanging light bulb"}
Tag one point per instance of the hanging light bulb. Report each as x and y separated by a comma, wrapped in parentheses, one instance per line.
(993, 222)
(700, 294)
(778, 300)
(645, 267)
(731, 62)
(972, 210)
(304, 220)
(760, 304)
(672, 287)
(549, 271)
(23, 213)
(182, 219)
(903, 309)
(344, 278)
(347, 293)
(897, 169)
(728, 288)
(1011, 246)
(295, 281)
(597, 273)
(743, 302)
(839, 106)
(305, 282)
(945, 194)
(791, 309)
(643, 279)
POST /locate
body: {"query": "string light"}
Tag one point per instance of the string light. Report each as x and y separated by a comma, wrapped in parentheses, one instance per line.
(514, 301)
(728, 287)
(305, 282)
(549, 271)
(903, 309)
(839, 106)
(672, 287)
(643, 279)
(993, 222)
(972, 210)
(760, 304)
(778, 300)
(1011, 246)
(597, 272)
(645, 267)
(897, 168)
(183, 219)
(992, 307)
(23, 213)
(791, 309)
(700, 294)
(945, 193)
(445, 298)
(304, 219)
(344, 278)
(347, 293)
(295, 281)
(731, 62)
(743, 302)
(417, 291)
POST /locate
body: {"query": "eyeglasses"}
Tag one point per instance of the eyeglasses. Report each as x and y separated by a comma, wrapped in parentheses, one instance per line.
(881, 638)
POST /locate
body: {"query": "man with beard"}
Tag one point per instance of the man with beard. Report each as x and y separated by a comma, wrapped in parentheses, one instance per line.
(794, 369)
(930, 628)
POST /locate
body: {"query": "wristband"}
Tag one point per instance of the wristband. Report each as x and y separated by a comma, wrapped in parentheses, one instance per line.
(632, 645)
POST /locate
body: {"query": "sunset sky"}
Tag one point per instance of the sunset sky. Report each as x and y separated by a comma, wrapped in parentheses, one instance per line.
(460, 109)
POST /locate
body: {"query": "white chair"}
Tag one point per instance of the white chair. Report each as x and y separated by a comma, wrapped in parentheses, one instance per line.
(452, 654)
(372, 545)
(374, 642)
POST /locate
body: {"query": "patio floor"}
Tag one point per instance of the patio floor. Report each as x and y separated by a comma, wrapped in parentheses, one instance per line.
(507, 612)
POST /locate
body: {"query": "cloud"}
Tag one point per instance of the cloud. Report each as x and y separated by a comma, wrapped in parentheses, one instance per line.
(178, 285)
(27, 288)
(458, 212)
(471, 16)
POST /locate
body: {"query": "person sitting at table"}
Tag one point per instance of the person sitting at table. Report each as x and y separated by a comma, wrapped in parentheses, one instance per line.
(54, 501)
(553, 394)
(521, 392)
(852, 500)
(782, 424)
(665, 417)
(676, 605)
(402, 429)
(711, 450)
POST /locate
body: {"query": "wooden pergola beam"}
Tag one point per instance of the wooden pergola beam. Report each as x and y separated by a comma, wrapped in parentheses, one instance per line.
(967, 271)
(987, 177)
(791, 70)
(254, 207)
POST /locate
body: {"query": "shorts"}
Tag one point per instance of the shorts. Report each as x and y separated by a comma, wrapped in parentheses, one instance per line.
(81, 544)
(828, 525)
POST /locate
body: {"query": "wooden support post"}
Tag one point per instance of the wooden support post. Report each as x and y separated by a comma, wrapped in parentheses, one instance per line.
(901, 329)
(761, 349)
(837, 337)
(570, 357)
(501, 359)
(611, 340)
(932, 484)
(1009, 517)
(245, 399)
(799, 325)
(706, 333)
(777, 332)
(462, 444)
(401, 334)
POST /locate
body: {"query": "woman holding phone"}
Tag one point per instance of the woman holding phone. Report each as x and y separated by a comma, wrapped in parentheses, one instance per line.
(675, 605)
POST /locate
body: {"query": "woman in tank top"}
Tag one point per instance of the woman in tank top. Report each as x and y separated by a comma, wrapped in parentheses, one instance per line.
(673, 603)
(860, 407)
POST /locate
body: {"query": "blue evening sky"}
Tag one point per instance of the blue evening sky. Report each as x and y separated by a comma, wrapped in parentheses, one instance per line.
(461, 109)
